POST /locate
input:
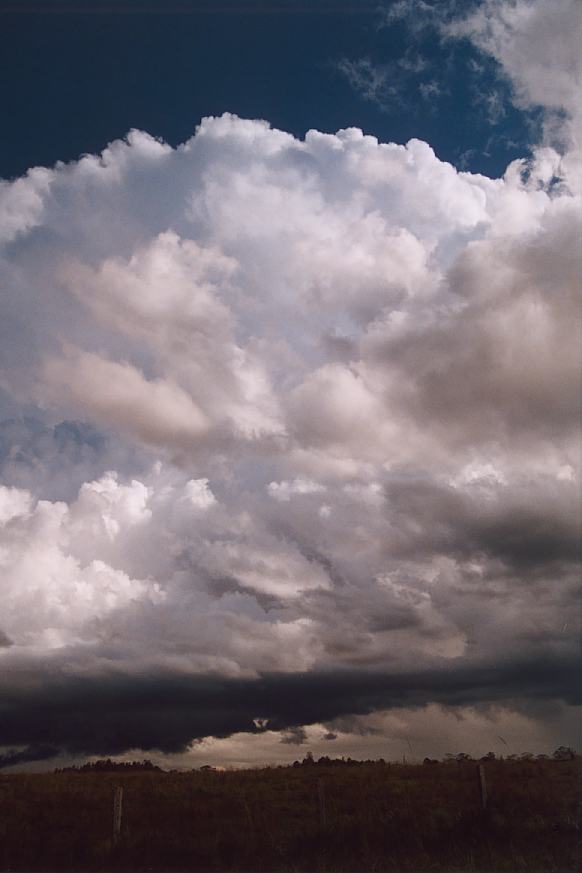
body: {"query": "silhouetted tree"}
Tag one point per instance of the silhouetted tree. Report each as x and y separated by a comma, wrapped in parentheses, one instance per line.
(564, 753)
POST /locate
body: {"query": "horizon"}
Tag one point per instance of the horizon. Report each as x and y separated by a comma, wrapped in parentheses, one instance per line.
(116, 765)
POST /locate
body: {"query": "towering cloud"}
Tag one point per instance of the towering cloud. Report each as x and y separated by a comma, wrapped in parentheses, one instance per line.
(328, 462)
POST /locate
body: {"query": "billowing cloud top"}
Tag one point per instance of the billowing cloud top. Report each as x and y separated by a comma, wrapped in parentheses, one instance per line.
(325, 395)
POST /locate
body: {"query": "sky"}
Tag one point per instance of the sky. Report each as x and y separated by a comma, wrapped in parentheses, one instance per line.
(289, 380)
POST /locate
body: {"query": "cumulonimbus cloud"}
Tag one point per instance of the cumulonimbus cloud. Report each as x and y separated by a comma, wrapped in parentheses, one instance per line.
(329, 423)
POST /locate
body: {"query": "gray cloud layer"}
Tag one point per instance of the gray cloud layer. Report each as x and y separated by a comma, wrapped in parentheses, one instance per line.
(166, 712)
(290, 432)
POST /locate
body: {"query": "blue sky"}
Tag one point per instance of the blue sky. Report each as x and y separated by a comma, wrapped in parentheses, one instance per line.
(71, 81)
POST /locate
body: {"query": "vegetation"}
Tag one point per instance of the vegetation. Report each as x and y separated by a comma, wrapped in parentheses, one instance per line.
(327, 816)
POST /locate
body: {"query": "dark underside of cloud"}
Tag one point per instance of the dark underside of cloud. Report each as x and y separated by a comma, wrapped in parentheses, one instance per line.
(114, 714)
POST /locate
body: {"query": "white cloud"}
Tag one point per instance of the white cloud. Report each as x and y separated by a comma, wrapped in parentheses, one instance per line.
(283, 491)
(49, 596)
(198, 494)
(13, 503)
(21, 203)
(538, 46)
(322, 316)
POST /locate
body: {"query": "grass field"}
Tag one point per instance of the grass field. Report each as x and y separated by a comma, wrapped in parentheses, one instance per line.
(326, 818)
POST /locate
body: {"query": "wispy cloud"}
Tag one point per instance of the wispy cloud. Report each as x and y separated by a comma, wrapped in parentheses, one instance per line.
(373, 82)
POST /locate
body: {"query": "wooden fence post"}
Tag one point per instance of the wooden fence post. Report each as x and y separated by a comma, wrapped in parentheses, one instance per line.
(117, 813)
(482, 786)
(321, 798)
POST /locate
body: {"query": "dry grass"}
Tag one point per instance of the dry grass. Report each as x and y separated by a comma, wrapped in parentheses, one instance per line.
(378, 817)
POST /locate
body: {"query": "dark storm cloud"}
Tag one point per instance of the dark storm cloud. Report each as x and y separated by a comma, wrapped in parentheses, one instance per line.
(502, 365)
(533, 525)
(295, 736)
(28, 755)
(113, 714)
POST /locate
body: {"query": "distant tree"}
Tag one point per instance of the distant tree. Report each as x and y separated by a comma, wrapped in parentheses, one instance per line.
(462, 758)
(564, 753)
(308, 759)
(108, 766)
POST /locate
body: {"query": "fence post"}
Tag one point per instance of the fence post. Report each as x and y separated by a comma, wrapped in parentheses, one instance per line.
(117, 813)
(321, 798)
(482, 786)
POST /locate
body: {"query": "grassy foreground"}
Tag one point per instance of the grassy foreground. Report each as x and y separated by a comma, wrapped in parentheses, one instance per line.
(337, 817)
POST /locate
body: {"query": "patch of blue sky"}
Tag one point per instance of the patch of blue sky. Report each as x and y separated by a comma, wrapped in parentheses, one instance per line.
(71, 83)
(53, 460)
(453, 95)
